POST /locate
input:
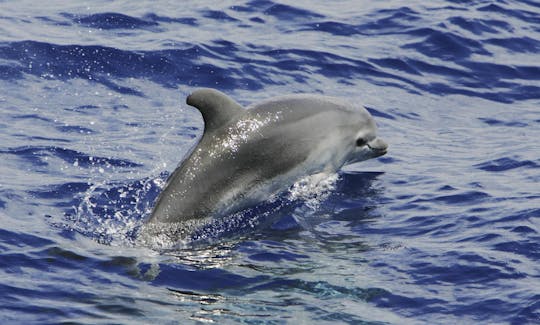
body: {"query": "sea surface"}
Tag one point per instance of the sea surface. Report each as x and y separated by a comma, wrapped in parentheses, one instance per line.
(444, 229)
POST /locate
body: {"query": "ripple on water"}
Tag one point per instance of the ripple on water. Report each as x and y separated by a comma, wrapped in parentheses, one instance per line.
(506, 163)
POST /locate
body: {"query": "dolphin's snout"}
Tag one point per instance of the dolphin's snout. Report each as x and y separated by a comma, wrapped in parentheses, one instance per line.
(378, 146)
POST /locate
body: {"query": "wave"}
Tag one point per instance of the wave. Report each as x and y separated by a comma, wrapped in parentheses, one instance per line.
(169, 68)
(506, 163)
(37, 154)
(111, 20)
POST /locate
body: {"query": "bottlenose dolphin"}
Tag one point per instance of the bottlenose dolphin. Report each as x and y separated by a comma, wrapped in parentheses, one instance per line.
(246, 155)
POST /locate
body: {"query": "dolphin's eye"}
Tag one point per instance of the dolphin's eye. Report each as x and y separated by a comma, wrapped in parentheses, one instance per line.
(360, 142)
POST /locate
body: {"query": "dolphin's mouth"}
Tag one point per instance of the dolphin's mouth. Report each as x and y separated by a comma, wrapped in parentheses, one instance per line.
(378, 147)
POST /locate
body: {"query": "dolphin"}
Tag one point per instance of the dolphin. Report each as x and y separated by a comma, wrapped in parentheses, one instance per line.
(247, 155)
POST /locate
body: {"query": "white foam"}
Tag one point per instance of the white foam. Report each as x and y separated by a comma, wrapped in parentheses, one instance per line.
(313, 189)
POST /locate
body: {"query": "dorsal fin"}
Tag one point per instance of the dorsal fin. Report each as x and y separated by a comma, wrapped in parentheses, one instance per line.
(216, 107)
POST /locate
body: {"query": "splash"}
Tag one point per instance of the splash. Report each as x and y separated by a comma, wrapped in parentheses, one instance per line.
(309, 193)
(114, 214)
(313, 189)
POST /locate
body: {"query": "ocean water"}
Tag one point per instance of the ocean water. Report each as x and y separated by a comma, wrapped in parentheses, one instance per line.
(444, 229)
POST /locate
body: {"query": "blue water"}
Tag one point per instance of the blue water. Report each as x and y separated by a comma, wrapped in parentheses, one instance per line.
(443, 229)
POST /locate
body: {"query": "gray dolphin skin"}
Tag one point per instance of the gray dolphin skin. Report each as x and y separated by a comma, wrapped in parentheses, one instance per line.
(246, 155)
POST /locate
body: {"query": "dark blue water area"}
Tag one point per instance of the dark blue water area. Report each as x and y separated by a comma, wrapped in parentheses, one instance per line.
(444, 229)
